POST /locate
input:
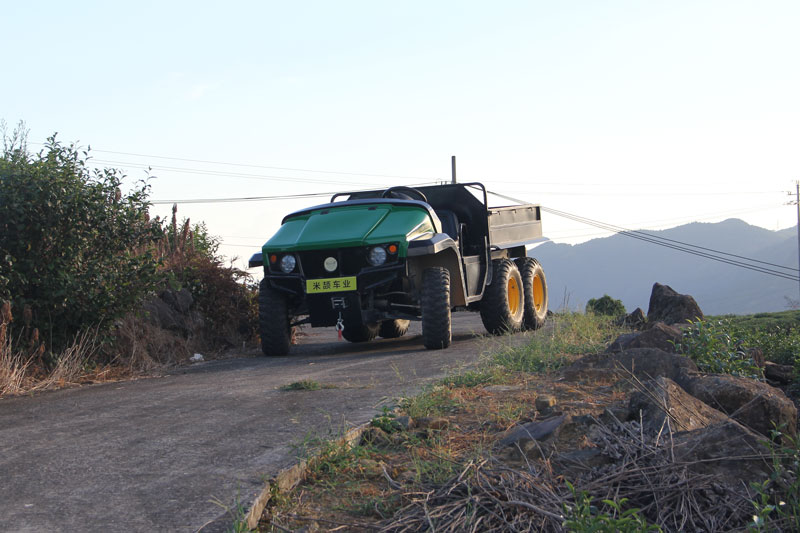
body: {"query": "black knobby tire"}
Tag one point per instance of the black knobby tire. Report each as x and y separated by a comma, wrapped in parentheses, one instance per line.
(273, 321)
(535, 288)
(502, 306)
(435, 306)
(360, 333)
(392, 329)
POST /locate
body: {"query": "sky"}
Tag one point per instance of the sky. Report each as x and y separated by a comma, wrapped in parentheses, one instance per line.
(640, 114)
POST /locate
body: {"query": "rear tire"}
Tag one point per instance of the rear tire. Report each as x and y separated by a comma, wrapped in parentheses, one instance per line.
(273, 321)
(360, 333)
(534, 286)
(435, 306)
(502, 307)
(392, 329)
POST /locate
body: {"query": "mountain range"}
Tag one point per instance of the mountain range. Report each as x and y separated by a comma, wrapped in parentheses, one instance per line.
(626, 268)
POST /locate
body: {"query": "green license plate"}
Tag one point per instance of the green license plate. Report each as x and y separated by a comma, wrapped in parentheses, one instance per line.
(316, 286)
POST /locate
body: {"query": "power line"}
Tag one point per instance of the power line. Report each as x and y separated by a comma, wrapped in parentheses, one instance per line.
(366, 174)
(673, 244)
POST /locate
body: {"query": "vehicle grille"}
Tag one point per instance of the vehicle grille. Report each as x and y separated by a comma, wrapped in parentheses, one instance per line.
(351, 261)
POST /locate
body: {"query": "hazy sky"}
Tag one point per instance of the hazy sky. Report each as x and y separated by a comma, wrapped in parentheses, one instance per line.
(641, 114)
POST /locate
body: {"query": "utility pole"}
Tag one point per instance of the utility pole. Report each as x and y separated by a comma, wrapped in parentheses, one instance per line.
(453, 169)
(797, 202)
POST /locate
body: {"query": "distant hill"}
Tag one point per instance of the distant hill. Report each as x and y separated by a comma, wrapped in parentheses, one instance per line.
(626, 268)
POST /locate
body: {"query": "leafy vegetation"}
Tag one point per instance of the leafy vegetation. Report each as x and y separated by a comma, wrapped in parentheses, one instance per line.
(79, 257)
(777, 499)
(75, 251)
(719, 347)
(606, 305)
(584, 517)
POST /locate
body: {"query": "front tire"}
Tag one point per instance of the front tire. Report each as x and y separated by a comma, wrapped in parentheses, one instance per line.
(435, 306)
(273, 321)
(534, 286)
(360, 333)
(392, 329)
(503, 304)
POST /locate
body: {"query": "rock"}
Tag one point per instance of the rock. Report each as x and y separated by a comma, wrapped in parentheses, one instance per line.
(539, 430)
(405, 422)
(197, 358)
(783, 374)
(170, 311)
(644, 363)
(635, 320)
(659, 335)
(728, 451)
(544, 403)
(666, 399)
(756, 405)
(436, 423)
(669, 307)
(621, 343)
(181, 300)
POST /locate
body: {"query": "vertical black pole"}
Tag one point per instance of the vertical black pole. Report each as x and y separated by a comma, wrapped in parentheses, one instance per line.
(453, 167)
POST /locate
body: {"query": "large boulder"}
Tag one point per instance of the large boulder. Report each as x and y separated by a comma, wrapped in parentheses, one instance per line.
(756, 405)
(669, 307)
(644, 363)
(663, 399)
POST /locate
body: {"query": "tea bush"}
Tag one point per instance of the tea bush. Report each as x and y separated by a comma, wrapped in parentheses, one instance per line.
(74, 249)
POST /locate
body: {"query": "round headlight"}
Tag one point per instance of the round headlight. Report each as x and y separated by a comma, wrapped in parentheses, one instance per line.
(330, 264)
(288, 262)
(377, 256)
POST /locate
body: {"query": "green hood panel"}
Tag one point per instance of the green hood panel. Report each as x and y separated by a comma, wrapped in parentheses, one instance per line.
(340, 227)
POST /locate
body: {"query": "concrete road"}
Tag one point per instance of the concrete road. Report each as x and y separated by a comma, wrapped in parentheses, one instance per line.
(151, 455)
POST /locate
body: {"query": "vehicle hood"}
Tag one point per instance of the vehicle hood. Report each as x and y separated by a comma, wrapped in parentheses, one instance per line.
(349, 226)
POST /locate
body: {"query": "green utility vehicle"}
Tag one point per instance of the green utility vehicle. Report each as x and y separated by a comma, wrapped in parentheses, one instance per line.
(369, 262)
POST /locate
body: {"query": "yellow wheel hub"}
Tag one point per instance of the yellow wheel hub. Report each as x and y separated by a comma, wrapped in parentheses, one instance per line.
(538, 293)
(514, 296)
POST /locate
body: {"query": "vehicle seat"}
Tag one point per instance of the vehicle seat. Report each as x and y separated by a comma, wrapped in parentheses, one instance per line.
(449, 222)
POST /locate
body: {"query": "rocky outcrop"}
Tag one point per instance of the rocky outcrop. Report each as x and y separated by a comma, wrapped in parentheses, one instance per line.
(644, 363)
(756, 405)
(659, 335)
(661, 401)
(669, 307)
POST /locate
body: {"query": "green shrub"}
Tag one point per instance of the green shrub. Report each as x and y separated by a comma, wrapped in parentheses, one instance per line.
(719, 347)
(75, 251)
(605, 306)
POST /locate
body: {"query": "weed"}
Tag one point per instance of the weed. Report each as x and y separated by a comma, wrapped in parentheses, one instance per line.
(777, 499)
(387, 421)
(306, 384)
(237, 513)
(582, 516)
(548, 350)
(435, 401)
(474, 378)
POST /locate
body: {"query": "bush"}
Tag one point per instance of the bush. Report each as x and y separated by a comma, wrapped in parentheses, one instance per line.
(75, 251)
(605, 306)
(721, 348)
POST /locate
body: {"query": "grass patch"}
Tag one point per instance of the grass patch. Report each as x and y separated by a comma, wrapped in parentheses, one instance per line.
(435, 401)
(548, 350)
(307, 384)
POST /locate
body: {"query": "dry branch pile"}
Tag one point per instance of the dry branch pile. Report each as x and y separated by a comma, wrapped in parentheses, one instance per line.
(492, 496)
